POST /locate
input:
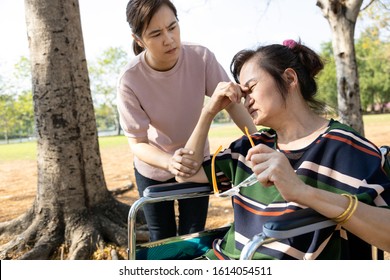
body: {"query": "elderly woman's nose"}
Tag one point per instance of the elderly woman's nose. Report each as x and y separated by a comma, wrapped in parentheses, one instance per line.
(246, 98)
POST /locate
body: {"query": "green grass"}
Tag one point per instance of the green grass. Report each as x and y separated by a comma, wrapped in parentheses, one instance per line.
(112, 141)
(28, 150)
(224, 130)
(18, 151)
(382, 119)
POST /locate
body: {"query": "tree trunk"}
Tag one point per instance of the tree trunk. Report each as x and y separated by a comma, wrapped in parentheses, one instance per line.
(73, 207)
(117, 124)
(342, 16)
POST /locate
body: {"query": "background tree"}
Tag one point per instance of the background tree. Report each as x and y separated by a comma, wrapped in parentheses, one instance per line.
(373, 60)
(104, 75)
(72, 206)
(327, 89)
(373, 56)
(342, 16)
(24, 115)
(23, 105)
(16, 109)
(7, 119)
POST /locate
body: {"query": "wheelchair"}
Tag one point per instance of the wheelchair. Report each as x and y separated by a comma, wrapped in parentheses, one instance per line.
(193, 246)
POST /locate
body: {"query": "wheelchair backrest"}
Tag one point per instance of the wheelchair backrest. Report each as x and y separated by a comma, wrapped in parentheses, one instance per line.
(386, 153)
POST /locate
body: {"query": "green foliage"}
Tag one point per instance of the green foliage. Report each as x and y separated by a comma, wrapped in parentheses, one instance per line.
(25, 114)
(16, 106)
(373, 57)
(377, 15)
(104, 74)
(327, 81)
(105, 117)
(16, 102)
(222, 117)
(7, 120)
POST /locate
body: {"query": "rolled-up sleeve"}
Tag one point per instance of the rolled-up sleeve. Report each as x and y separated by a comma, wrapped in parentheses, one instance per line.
(133, 119)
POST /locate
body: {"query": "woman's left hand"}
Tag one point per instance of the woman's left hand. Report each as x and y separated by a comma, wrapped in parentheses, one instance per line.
(180, 165)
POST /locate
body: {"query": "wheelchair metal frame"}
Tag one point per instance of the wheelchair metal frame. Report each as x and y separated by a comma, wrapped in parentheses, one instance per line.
(174, 192)
(299, 222)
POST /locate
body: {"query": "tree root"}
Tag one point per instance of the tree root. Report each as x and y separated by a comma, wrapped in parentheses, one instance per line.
(84, 240)
(35, 242)
(18, 225)
(122, 190)
(113, 231)
(50, 234)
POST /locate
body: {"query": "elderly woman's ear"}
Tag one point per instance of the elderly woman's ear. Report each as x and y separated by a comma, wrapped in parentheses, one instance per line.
(290, 77)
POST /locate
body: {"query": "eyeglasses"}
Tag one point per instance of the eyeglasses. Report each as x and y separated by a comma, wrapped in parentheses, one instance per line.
(251, 180)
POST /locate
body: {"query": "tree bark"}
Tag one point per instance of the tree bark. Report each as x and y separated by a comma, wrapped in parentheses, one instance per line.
(73, 207)
(342, 16)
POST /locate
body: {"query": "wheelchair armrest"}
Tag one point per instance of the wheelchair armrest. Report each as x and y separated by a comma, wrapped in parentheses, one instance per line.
(173, 189)
(286, 226)
(296, 223)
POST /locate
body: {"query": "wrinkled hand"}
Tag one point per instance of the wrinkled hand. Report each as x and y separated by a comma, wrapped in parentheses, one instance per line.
(273, 168)
(224, 94)
(182, 165)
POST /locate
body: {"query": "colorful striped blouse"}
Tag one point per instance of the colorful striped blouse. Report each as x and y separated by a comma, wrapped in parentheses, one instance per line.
(339, 160)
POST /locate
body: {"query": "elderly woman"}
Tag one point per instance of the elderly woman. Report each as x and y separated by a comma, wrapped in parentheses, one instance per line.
(300, 160)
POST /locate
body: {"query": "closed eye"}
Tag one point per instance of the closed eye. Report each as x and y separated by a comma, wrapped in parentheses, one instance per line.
(251, 88)
(172, 27)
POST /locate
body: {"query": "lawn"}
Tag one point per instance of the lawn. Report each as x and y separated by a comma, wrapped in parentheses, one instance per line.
(27, 150)
(18, 169)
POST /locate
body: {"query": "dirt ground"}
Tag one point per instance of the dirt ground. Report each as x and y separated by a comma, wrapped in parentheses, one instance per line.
(19, 180)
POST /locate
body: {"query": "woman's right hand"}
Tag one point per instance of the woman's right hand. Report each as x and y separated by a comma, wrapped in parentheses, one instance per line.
(181, 165)
(224, 94)
(273, 168)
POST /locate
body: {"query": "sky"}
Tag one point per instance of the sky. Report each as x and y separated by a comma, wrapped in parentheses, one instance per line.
(224, 26)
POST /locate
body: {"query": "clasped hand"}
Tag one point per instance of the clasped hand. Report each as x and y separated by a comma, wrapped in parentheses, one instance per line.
(181, 165)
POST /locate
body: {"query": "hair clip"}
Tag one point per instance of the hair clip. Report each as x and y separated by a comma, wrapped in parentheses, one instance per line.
(289, 43)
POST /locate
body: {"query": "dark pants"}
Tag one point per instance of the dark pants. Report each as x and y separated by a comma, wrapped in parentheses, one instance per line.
(160, 216)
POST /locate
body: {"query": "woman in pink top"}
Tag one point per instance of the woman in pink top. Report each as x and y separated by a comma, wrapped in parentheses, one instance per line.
(161, 92)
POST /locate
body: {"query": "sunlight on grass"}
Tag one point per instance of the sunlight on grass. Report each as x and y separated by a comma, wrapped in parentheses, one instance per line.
(225, 130)
(18, 151)
(377, 120)
(28, 150)
(112, 141)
